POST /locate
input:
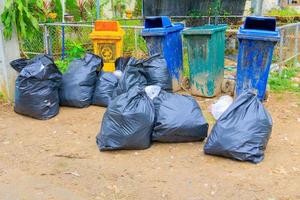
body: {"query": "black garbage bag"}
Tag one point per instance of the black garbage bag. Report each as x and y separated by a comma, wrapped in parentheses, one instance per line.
(121, 63)
(128, 122)
(19, 64)
(178, 119)
(105, 86)
(156, 71)
(132, 77)
(79, 81)
(37, 85)
(150, 71)
(242, 132)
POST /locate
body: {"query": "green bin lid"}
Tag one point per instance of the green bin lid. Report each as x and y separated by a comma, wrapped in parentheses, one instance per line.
(205, 30)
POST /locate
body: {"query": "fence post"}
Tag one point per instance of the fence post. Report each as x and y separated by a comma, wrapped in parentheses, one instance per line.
(258, 7)
(50, 42)
(216, 20)
(62, 42)
(98, 9)
(281, 49)
(296, 44)
(46, 41)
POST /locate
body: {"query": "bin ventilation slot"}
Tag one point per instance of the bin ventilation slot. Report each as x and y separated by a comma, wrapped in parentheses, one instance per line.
(259, 23)
(157, 22)
(106, 26)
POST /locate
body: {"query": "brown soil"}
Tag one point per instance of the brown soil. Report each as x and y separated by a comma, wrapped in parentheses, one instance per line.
(59, 160)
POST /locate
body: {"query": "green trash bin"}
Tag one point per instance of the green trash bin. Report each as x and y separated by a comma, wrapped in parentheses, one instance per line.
(205, 48)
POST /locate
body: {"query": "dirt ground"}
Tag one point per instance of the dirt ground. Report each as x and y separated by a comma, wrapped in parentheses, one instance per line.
(58, 160)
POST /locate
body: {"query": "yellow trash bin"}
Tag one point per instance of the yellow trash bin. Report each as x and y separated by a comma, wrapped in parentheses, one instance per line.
(107, 40)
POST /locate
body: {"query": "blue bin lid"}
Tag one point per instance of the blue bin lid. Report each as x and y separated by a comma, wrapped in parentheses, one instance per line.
(160, 25)
(259, 28)
(205, 30)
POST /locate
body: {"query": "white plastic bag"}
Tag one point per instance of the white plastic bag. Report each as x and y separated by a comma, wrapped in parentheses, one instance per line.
(218, 108)
(118, 74)
(152, 91)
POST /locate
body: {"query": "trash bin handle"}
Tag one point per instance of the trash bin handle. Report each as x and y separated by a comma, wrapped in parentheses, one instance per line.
(260, 19)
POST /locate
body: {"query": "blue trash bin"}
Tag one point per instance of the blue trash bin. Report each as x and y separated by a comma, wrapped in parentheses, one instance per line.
(257, 38)
(165, 38)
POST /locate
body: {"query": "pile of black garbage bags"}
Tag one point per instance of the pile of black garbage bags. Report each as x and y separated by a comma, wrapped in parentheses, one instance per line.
(141, 107)
(144, 109)
(41, 88)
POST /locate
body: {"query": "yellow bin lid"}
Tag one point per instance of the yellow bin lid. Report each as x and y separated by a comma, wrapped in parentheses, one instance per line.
(106, 29)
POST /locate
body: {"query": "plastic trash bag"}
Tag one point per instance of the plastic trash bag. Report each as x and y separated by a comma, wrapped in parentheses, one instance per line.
(105, 85)
(37, 85)
(150, 71)
(78, 83)
(178, 119)
(243, 130)
(218, 108)
(152, 91)
(19, 64)
(121, 63)
(156, 71)
(132, 77)
(127, 122)
(118, 74)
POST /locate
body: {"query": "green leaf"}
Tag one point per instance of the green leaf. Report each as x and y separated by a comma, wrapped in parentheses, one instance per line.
(39, 4)
(4, 16)
(35, 23)
(8, 4)
(22, 26)
(20, 7)
(7, 21)
(21, 15)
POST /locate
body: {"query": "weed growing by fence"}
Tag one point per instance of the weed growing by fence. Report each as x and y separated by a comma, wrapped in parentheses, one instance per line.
(74, 51)
(286, 81)
(62, 65)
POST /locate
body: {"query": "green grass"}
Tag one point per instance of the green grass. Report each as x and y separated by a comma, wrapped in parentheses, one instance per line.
(286, 12)
(281, 82)
(1, 96)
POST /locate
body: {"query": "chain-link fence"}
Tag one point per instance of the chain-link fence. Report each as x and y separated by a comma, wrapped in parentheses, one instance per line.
(59, 38)
(55, 38)
(288, 49)
(233, 22)
(34, 46)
